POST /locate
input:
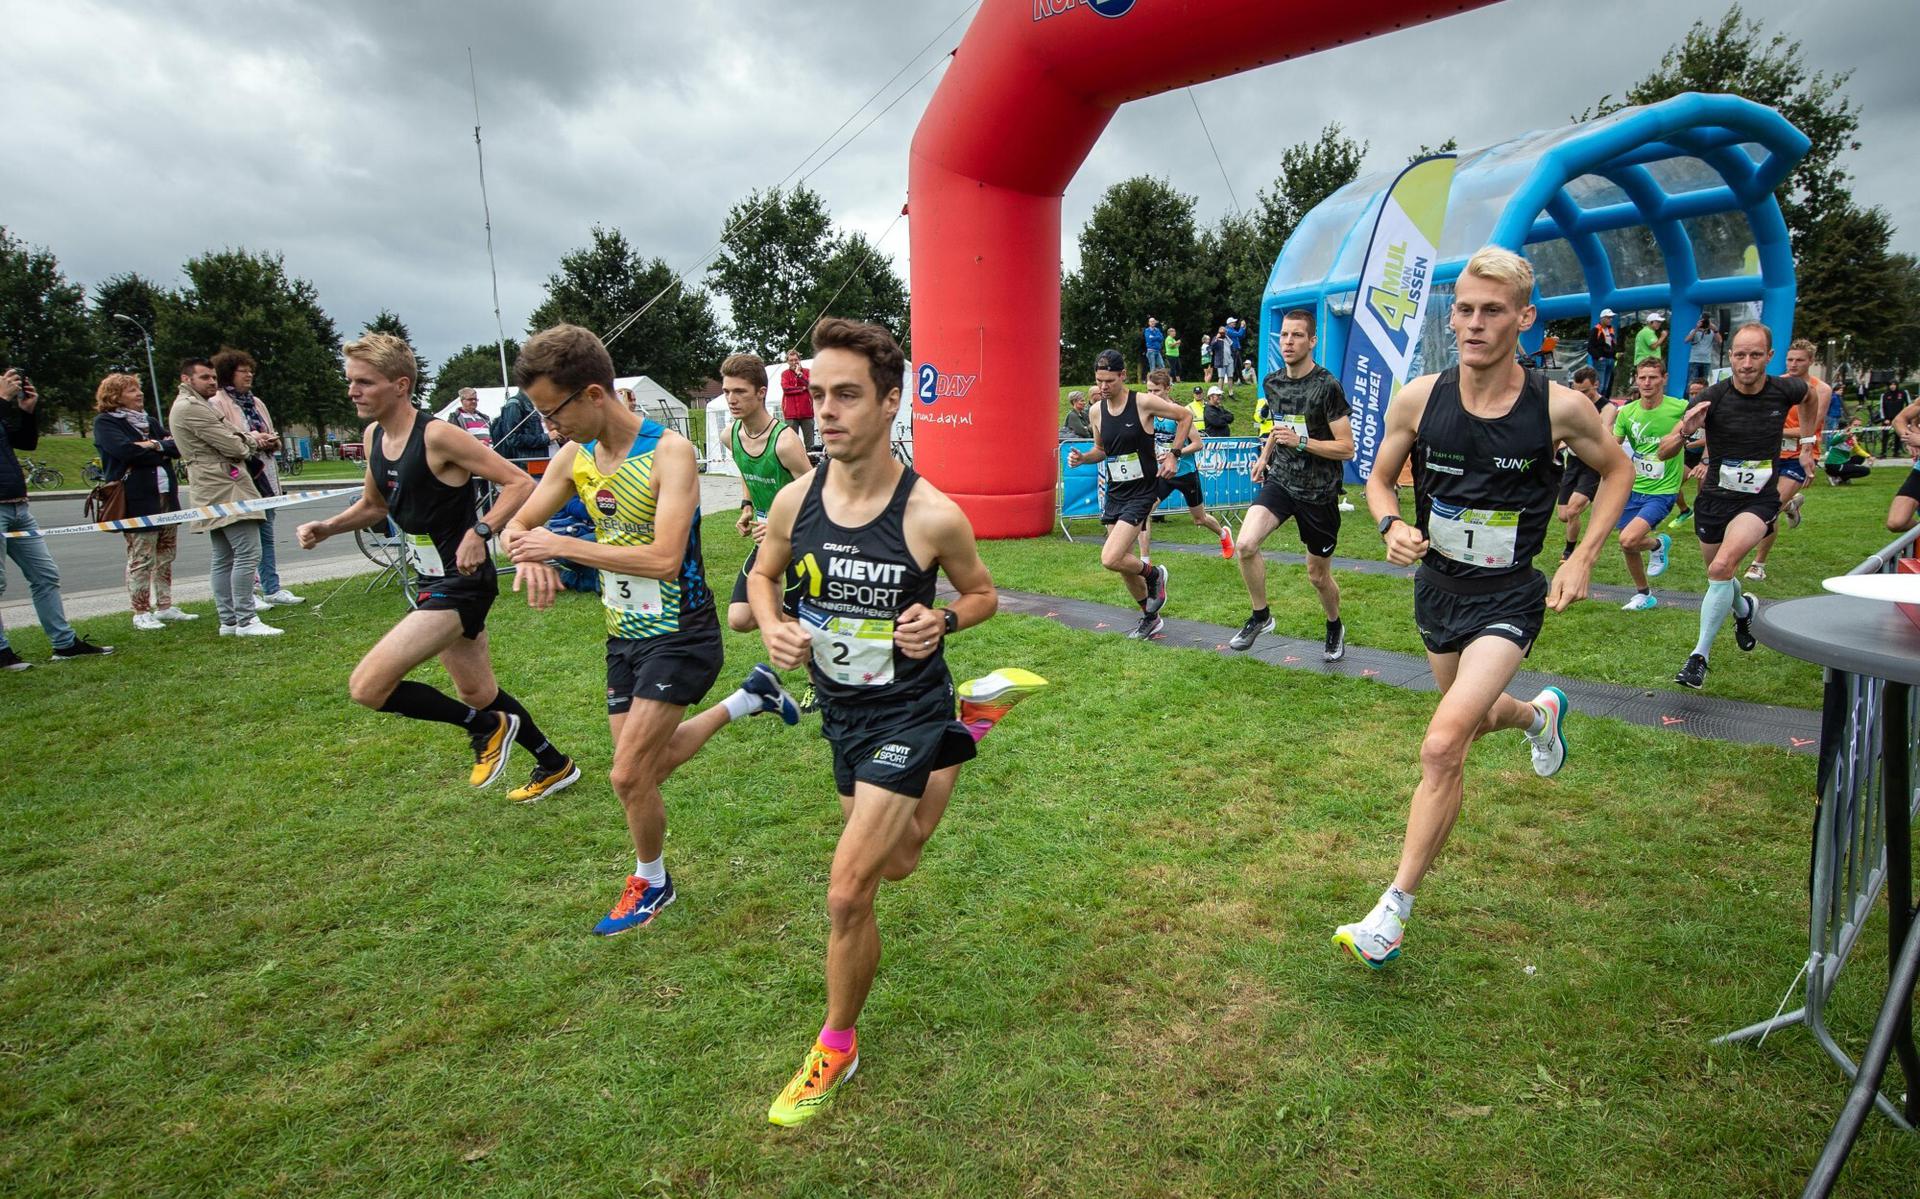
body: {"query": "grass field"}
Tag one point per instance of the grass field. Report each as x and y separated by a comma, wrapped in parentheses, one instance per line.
(259, 941)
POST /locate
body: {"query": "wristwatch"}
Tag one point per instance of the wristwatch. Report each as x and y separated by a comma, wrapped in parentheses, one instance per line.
(951, 619)
(1386, 522)
(483, 530)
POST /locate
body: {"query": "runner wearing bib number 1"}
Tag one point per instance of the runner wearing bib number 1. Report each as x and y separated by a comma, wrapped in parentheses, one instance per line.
(868, 537)
(1487, 431)
(1640, 426)
(1740, 496)
(420, 472)
(641, 486)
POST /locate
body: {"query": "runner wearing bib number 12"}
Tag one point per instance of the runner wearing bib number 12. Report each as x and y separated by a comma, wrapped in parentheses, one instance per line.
(420, 472)
(641, 486)
(1487, 430)
(1740, 496)
(868, 538)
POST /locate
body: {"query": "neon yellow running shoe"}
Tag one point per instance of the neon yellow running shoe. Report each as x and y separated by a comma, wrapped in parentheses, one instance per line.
(983, 701)
(813, 1084)
(491, 748)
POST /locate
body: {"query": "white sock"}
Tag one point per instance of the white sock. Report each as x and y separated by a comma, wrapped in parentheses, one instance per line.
(1539, 724)
(1399, 902)
(655, 872)
(740, 704)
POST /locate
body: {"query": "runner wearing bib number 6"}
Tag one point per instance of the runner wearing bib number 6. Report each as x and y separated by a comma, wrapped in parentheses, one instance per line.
(868, 537)
(420, 472)
(641, 486)
(1487, 431)
(1740, 496)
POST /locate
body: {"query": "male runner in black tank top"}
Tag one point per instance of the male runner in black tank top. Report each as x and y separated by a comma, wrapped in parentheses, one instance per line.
(1123, 438)
(868, 538)
(425, 474)
(1487, 431)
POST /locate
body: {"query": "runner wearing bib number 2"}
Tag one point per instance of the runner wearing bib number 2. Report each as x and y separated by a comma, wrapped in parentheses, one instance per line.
(868, 537)
(1740, 495)
(1487, 431)
(420, 472)
(641, 486)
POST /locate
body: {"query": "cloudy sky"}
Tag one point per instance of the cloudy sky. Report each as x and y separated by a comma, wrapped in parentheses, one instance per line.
(341, 134)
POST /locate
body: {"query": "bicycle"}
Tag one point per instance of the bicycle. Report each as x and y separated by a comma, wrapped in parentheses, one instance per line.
(94, 472)
(39, 474)
(291, 465)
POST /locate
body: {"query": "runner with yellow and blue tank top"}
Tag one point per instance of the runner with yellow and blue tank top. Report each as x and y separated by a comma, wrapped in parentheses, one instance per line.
(1906, 501)
(640, 484)
(767, 453)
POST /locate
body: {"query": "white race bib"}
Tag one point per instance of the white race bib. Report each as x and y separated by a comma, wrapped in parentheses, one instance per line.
(1297, 423)
(631, 593)
(1745, 475)
(1789, 447)
(425, 556)
(1648, 467)
(1474, 536)
(1125, 469)
(852, 651)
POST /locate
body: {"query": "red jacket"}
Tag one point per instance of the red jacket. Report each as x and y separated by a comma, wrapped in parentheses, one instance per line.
(796, 402)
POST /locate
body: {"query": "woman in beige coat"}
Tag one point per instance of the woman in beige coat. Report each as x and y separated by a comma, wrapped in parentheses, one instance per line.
(215, 454)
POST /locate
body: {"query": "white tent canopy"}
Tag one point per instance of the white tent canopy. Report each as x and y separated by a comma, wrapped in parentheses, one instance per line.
(655, 400)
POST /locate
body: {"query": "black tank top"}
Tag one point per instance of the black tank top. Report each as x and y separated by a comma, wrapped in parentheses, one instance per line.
(853, 582)
(1489, 484)
(1124, 434)
(418, 501)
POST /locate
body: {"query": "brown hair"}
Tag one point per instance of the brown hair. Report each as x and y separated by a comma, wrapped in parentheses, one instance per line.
(1302, 314)
(384, 352)
(885, 363)
(1163, 378)
(747, 367)
(229, 360)
(1651, 360)
(113, 389)
(568, 355)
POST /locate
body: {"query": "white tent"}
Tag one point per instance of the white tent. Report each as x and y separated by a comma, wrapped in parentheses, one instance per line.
(719, 456)
(655, 401)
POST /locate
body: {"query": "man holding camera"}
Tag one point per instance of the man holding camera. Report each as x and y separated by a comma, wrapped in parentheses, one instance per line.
(20, 430)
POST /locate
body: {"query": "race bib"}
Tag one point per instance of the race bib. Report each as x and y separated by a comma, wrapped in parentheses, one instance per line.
(849, 650)
(631, 593)
(1789, 447)
(1474, 536)
(1125, 469)
(425, 556)
(1647, 467)
(1297, 423)
(1745, 475)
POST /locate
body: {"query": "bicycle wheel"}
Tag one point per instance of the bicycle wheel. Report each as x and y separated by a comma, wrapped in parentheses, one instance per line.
(47, 476)
(382, 547)
(93, 472)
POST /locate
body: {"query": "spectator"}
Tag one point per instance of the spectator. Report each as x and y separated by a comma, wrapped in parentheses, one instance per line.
(469, 417)
(20, 430)
(1236, 343)
(1703, 349)
(1837, 411)
(515, 433)
(1198, 406)
(1156, 339)
(248, 413)
(140, 460)
(1223, 359)
(796, 401)
(632, 402)
(215, 454)
(1172, 352)
(1651, 340)
(1603, 346)
(1216, 418)
(1844, 457)
(1893, 401)
(1077, 425)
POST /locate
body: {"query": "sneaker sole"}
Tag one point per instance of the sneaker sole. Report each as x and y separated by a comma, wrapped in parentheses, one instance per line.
(802, 1115)
(1345, 941)
(1559, 733)
(506, 751)
(1007, 681)
(553, 788)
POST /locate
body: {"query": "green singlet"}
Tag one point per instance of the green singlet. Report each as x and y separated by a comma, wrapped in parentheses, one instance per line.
(763, 473)
(1642, 429)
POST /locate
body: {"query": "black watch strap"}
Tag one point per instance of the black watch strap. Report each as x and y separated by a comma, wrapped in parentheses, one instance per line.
(1386, 522)
(482, 529)
(952, 620)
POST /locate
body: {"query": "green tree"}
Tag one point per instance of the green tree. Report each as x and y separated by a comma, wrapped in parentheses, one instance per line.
(119, 345)
(772, 267)
(246, 300)
(857, 281)
(386, 321)
(1850, 286)
(677, 342)
(470, 366)
(1140, 256)
(44, 328)
(1445, 147)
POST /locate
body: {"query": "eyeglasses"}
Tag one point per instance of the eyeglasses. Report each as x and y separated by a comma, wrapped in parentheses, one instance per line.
(562, 404)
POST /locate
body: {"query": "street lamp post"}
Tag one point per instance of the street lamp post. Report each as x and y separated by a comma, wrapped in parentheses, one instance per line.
(153, 380)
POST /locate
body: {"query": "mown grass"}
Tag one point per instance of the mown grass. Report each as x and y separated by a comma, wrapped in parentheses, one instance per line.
(259, 941)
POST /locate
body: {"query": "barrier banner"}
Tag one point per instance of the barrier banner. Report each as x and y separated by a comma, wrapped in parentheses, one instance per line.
(186, 515)
(1225, 465)
(1390, 304)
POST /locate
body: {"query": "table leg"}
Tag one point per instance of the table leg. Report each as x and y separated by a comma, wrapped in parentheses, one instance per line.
(1897, 791)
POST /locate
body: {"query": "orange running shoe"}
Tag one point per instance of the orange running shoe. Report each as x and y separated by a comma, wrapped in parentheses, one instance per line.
(983, 701)
(811, 1086)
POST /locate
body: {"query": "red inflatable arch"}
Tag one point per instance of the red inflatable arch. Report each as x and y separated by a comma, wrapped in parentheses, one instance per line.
(1032, 85)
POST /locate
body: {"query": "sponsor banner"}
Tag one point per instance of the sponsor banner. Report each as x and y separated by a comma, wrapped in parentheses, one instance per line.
(1225, 466)
(1390, 304)
(186, 515)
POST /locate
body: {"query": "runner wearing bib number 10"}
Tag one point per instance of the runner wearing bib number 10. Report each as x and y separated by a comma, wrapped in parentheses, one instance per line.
(1487, 430)
(1740, 496)
(641, 486)
(420, 472)
(1640, 426)
(868, 537)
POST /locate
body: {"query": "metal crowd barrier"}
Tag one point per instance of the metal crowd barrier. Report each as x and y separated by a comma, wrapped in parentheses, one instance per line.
(1850, 850)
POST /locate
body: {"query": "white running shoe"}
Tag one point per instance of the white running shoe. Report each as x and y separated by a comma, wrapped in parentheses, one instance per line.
(1657, 561)
(176, 613)
(1549, 747)
(1374, 941)
(254, 628)
(283, 598)
(1640, 603)
(262, 604)
(147, 622)
(1757, 573)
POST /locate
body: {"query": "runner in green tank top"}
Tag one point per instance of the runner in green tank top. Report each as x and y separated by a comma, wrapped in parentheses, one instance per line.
(778, 460)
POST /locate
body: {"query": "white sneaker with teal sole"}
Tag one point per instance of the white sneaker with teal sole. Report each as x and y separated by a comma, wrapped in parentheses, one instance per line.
(1548, 745)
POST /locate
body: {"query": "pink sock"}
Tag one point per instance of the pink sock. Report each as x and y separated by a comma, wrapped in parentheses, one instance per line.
(840, 1040)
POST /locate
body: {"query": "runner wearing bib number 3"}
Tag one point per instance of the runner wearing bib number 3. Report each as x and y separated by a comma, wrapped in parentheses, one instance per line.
(420, 472)
(1487, 431)
(868, 537)
(1740, 496)
(641, 486)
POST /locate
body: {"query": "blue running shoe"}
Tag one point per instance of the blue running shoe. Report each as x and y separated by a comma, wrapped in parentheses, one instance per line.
(638, 905)
(763, 684)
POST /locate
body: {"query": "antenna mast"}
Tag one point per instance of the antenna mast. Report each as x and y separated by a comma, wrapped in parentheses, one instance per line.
(487, 214)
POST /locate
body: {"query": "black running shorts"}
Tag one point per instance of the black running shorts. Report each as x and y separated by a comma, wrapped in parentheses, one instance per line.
(792, 598)
(1693, 455)
(471, 596)
(1449, 621)
(1188, 485)
(1318, 524)
(1713, 511)
(1910, 486)
(1578, 479)
(673, 668)
(1132, 503)
(896, 744)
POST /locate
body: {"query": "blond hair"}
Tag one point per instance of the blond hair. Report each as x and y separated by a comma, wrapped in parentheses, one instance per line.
(1498, 265)
(1805, 346)
(384, 352)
